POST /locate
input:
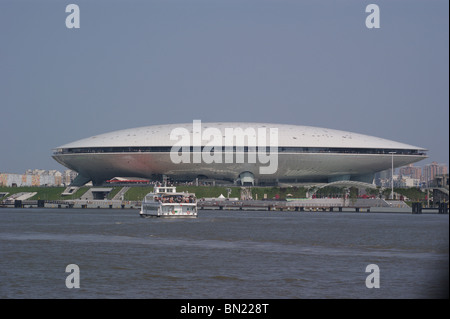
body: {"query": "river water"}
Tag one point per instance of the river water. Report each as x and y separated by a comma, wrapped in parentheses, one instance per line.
(222, 254)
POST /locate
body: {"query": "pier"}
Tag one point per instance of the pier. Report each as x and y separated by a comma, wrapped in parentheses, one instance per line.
(278, 206)
(442, 208)
(321, 205)
(76, 203)
(303, 205)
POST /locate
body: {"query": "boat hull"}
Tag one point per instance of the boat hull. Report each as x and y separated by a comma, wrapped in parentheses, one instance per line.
(168, 211)
(143, 215)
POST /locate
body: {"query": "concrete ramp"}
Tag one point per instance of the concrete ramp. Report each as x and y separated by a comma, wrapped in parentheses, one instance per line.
(121, 193)
(96, 193)
(397, 204)
(70, 190)
(22, 196)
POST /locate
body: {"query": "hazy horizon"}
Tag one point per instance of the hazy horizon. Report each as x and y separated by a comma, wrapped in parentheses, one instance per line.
(140, 63)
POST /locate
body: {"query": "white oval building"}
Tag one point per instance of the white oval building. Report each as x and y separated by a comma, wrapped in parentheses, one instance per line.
(249, 153)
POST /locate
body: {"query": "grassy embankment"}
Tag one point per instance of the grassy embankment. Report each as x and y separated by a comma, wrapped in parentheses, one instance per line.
(45, 193)
(138, 193)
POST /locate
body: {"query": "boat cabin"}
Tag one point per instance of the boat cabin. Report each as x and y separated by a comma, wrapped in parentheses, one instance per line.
(164, 189)
(169, 195)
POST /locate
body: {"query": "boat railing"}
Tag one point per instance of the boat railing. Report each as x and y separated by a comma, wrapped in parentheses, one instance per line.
(177, 199)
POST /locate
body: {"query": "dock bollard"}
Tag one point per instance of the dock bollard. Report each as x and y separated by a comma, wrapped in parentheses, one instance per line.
(443, 208)
(417, 208)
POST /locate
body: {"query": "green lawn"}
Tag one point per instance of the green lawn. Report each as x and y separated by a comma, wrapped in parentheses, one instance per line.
(45, 193)
(138, 192)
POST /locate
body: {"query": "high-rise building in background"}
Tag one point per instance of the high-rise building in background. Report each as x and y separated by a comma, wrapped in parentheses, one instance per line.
(431, 170)
(411, 171)
(38, 177)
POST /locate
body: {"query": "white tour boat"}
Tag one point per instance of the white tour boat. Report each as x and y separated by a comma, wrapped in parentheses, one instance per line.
(167, 202)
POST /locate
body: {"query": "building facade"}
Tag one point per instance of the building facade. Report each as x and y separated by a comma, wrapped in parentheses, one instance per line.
(302, 154)
(430, 171)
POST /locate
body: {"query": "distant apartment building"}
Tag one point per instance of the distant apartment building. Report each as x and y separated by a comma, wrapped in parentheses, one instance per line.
(406, 181)
(37, 177)
(69, 176)
(412, 176)
(411, 171)
(430, 171)
(409, 176)
(383, 178)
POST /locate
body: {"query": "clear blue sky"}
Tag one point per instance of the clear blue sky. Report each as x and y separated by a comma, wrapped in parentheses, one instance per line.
(138, 63)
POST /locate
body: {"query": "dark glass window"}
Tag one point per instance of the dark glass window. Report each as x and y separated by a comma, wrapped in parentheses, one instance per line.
(281, 149)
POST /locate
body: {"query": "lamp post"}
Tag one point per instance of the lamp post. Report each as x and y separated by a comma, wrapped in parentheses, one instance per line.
(392, 174)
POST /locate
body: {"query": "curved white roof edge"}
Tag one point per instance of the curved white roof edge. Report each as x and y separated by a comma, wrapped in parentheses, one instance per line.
(288, 135)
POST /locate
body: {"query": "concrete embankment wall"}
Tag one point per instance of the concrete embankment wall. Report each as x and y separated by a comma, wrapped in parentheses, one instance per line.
(93, 204)
(324, 204)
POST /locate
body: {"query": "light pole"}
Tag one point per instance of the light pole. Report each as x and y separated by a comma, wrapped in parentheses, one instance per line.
(392, 174)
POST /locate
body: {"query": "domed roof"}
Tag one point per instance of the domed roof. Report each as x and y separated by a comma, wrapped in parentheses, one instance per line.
(288, 136)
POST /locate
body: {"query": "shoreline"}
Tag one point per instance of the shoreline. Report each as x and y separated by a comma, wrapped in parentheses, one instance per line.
(247, 205)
